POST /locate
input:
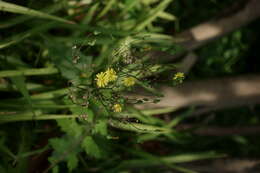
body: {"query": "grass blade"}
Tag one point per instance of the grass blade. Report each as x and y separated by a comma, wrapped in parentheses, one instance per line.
(13, 8)
(19, 82)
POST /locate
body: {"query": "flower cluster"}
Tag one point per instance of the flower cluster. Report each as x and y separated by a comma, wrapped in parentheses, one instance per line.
(103, 78)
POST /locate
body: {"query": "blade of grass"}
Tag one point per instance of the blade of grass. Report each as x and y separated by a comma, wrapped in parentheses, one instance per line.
(90, 14)
(128, 6)
(183, 158)
(29, 117)
(10, 7)
(20, 19)
(152, 15)
(21, 36)
(14, 40)
(36, 106)
(29, 86)
(106, 8)
(144, 118)
(180, 118)
(138, 127)
(166, 16)
(152, 158)
(19, 82)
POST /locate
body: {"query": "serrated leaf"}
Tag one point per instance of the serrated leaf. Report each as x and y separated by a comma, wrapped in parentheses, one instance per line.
(72, 64)
(79, 110)
(59, 144)
(62, 58)
(65, 149)
(72, 162)
(90, 147)
(55, 169)
(101, 127)
(70, 127)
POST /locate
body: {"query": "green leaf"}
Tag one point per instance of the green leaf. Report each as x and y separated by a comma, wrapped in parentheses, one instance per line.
(101, 127)
(90, 147)
(59, 145)
(79, 110)
(65, 149)
(72, 162)
(28, 72)
(55, 169)
(70, 127)
(71, 62)
(22, 19)
(108, 6)
(146, 137)
(13, 8)
(14, 40)
(21, 36)
(152, 15)
(180, 118)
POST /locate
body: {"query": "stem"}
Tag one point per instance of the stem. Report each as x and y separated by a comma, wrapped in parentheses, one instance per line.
(51, 94)
(135, 127)
(28, 72)
(30, 117)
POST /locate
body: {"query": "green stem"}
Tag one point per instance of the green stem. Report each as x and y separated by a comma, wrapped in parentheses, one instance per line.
(51, 94)
(30, 86)
(136, 127)
(38, 106)
(30, 117)
(29, 72)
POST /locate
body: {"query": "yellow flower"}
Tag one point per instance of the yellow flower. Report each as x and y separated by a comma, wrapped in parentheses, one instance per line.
(117, 108)
(101, 79)
(179, 76)
(111, 75)
(129, 81)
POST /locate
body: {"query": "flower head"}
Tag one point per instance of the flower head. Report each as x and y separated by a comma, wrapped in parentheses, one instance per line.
(101, 79)
(117, 108)
(129, 81)
(111, 75)
(178, 76)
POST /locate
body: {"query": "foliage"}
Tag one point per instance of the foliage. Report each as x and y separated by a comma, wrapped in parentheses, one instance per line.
(73, 63)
